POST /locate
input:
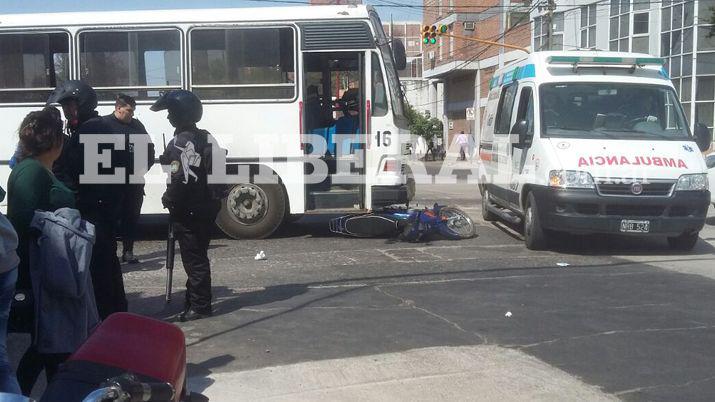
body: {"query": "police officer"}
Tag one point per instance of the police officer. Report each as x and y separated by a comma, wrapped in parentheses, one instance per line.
(192, 202)
(98, 203)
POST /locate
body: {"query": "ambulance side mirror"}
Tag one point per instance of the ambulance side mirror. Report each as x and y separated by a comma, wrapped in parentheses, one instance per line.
(703, 137)
(521, 129)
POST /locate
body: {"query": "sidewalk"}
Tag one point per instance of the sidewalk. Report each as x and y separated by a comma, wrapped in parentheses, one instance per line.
(484, 373)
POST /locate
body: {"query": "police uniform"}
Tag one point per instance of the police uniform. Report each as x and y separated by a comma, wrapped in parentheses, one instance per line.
(193, 204)
(98, 203)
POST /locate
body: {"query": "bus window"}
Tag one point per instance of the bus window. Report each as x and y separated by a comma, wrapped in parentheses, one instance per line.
(379, 96)
(31, 65)
(138, 63)
(243, 63)
(392, 76)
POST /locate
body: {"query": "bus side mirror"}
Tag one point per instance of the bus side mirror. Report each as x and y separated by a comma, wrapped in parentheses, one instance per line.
(520, 129)
(398, 52)
(703, 137)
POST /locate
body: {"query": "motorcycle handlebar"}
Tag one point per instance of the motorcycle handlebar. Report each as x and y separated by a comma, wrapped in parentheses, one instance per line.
(150, 392)
(131, 390)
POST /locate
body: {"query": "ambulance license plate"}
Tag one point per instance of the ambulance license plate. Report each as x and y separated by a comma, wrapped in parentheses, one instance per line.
(631, 226)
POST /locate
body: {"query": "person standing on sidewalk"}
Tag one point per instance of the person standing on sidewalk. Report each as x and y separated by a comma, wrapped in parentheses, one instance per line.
(122, 121)
(462, 141)
(193, 204)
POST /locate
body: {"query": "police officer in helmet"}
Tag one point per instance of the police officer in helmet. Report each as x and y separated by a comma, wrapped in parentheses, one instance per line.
(192, 202)
(78, 101)
(98, 203)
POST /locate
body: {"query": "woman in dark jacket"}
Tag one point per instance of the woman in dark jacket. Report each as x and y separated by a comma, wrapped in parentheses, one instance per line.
(32, 186)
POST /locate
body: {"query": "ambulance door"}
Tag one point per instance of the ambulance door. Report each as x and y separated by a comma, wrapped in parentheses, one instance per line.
(521, 138)
(502, 147)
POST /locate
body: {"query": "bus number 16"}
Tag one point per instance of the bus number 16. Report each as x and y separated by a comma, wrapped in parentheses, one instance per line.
(386, 139)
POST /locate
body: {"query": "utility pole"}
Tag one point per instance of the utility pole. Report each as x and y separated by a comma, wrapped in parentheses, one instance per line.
(549, 17)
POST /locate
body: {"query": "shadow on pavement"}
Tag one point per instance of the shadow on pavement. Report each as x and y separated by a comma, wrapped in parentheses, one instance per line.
(200, 372)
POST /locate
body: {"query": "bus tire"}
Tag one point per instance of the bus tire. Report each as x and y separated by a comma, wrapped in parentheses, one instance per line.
(535, 237)
(252, 211)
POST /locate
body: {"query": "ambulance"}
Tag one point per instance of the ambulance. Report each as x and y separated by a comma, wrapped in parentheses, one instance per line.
(592, 142)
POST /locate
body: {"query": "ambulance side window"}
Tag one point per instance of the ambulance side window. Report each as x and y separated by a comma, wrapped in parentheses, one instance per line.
(526, 109)
(506, 105)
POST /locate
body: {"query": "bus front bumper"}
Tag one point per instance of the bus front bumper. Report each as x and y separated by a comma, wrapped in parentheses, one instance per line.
(585, 211)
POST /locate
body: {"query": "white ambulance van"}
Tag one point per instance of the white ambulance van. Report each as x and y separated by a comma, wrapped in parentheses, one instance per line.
(592, 142)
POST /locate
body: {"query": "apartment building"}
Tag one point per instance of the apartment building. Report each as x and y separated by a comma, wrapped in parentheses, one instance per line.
(457, 71)
(676, 30)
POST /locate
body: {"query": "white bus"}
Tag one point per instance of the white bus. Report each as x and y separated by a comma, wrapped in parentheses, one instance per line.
(265, 76)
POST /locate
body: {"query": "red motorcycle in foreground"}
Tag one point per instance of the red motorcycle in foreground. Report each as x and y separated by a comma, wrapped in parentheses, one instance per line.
(128, 358)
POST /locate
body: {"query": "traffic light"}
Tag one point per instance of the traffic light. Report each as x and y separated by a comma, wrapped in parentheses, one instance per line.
(429, 34)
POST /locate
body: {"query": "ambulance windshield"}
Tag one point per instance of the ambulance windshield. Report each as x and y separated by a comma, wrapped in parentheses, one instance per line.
(611, 110)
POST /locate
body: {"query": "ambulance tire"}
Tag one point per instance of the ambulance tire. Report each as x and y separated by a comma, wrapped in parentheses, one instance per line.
(487, 215)
(684, 242)
(535, 236)
(252, 211)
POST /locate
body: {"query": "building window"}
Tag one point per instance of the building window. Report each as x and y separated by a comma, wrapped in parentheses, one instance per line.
(541, 32)
(619, 25)
(588, 26)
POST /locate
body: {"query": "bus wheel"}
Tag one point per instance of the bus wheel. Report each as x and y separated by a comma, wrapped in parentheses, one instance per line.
(252, 211)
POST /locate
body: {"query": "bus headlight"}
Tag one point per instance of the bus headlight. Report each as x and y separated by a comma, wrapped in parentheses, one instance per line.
(692, 182)
(570, 179)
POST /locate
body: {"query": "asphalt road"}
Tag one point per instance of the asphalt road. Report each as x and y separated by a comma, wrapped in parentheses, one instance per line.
(626, 319)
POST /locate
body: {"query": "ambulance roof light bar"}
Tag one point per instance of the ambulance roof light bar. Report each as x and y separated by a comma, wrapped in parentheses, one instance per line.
(604, 61)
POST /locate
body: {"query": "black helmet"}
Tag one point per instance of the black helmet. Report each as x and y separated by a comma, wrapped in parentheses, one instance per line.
(184, 107)
(79, 91)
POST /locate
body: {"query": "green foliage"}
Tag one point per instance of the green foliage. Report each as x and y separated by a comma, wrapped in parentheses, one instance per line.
(421, 125)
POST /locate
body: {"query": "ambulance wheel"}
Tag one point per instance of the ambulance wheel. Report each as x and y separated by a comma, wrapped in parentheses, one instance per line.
(487, 215)
(684, 242)
(252, 211)
(535, 237)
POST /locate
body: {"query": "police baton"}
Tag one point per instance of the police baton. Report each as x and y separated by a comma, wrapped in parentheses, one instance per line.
(170, 250)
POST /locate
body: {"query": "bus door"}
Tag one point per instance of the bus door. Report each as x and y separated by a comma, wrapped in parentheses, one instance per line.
(334, 108)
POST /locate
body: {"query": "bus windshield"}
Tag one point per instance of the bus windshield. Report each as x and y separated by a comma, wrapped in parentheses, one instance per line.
(611, 110)
(393, 79)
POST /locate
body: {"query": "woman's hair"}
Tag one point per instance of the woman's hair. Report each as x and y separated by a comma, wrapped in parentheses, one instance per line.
(40, 131)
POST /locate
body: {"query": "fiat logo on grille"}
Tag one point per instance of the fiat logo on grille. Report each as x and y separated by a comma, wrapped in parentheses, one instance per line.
(636, 188)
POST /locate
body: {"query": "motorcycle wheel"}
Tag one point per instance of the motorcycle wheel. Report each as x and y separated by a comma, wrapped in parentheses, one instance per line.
(456, 224)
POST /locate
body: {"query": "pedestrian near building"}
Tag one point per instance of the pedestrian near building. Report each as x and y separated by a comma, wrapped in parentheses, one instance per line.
(100, 204)
(122, 121)
(31, 187)
(193, 204)
(462, 142)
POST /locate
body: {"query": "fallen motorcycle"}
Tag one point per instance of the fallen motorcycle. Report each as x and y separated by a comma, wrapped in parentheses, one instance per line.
(410, 225)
